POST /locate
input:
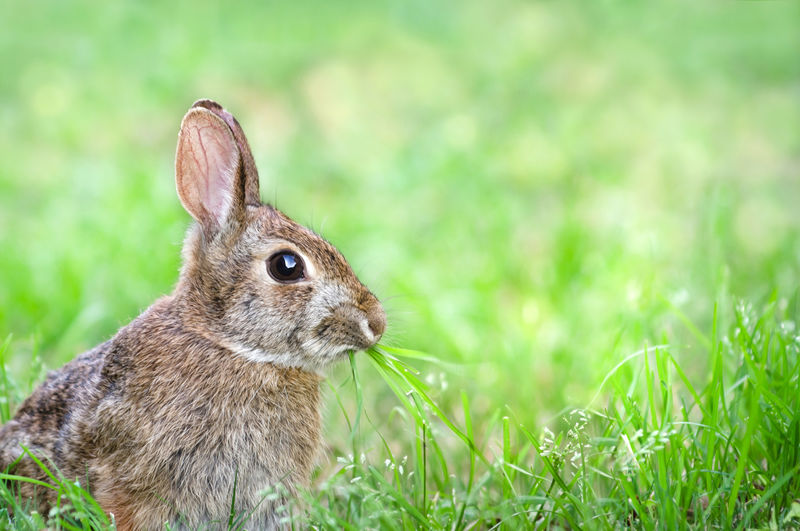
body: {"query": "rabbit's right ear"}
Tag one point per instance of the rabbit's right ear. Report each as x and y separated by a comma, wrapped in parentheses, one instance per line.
(207, 169)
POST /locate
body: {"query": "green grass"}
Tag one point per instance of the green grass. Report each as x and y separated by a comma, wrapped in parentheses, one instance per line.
(562, 203)
(656, 451)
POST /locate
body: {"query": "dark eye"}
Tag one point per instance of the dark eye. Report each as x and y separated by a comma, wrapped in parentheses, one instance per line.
(285, 267)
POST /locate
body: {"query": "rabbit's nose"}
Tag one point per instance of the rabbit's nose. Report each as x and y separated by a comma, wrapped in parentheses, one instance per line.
(376, 317)
(376, 320)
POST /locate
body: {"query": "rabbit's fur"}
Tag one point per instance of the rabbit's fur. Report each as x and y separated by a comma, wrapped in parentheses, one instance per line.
(215, 384)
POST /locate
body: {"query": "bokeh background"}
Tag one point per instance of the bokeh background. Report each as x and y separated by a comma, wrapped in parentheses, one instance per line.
(535, 189)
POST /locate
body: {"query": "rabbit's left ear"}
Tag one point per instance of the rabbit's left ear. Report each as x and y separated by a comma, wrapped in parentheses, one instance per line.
(206, 169)
(250, 173)
(215, 173)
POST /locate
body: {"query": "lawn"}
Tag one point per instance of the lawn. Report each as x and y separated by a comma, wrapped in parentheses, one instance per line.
(586, 214)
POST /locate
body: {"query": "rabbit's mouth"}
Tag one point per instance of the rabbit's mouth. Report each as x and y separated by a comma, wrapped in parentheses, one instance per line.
(348, 327)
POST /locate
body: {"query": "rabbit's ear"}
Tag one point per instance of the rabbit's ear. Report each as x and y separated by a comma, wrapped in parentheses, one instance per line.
(208, 169)
(251, 193)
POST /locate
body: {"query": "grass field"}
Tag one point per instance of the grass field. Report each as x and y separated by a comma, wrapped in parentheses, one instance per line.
(586, 213)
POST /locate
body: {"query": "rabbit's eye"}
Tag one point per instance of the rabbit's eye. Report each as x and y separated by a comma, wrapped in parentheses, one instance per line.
(285, 267)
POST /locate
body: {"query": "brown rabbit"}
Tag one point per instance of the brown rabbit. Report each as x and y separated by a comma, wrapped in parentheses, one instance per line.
(217, 383)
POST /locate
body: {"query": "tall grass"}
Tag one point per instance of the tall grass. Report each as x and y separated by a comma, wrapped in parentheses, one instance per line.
(654, 449)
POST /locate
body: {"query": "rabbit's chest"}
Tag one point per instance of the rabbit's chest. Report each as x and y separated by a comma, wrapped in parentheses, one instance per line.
(249, 451)
(194, 439)
(205, 462)
(261, 438)
(193, 445)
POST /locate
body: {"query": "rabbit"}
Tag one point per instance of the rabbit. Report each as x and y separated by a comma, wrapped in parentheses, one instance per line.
(218, 384)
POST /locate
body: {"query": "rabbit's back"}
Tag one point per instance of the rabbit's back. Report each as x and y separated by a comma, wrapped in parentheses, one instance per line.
(44, 422)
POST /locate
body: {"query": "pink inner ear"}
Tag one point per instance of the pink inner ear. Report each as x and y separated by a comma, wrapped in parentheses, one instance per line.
(205, 166)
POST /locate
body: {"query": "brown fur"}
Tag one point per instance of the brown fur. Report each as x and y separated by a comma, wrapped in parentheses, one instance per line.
(215, 383)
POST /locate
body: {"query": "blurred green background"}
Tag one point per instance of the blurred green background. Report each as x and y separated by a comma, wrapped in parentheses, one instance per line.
(535, 189)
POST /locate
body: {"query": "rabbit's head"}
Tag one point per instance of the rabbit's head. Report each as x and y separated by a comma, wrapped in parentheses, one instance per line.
(253, 280)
